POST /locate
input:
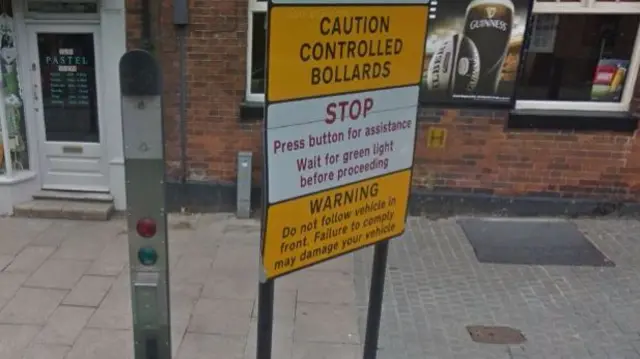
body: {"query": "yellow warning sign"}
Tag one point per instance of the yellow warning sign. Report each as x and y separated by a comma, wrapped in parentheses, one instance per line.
(323, 50)
(317, 227)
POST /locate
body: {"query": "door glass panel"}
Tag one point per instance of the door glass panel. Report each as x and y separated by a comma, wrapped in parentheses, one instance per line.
(68, 79)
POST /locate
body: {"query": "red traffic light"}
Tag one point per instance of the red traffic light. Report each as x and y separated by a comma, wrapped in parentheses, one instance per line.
(146, 227)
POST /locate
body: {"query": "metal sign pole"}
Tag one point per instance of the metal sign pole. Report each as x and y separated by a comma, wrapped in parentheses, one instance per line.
(140, 85)
(265, 320)
(370, 350)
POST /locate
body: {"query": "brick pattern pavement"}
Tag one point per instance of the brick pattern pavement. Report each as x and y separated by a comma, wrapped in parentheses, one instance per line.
(435, 287)
(64, 293)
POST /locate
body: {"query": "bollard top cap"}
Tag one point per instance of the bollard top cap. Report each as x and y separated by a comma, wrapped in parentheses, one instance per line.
(139, 74)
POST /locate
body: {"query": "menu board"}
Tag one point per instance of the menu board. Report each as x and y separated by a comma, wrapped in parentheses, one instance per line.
(69, 79)
(68, 83)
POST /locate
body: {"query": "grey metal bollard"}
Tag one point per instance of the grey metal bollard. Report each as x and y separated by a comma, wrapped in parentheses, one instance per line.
(141, 88)
(243, 195)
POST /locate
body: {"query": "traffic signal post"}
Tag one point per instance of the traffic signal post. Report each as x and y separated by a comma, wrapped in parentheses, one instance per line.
(141, 89)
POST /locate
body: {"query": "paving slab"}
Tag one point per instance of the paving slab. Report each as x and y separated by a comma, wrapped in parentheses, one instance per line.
(65, 286)
(64, 325)
(329, 323)
(30, 259)
(46, 351)
(31, 306)
(9, 285)
(114, 311)
(435, 287)
(231, 284)
(310, 350)
(103, 344)
(89, 291)
(327, 287)
(14, 339)
(58, 273)
(198, 346)
(221, 316)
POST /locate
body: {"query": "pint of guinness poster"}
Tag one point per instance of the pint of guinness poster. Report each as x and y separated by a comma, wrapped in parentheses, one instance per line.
(473, 51)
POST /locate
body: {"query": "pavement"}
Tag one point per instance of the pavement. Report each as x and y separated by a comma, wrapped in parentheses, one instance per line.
(64, 294)
(435, 288)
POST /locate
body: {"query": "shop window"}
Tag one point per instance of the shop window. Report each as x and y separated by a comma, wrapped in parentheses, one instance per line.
(14, 156)
(256, 51)
(580, 61)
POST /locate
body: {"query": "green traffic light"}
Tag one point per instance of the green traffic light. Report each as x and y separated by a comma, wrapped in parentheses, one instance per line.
(147, 256)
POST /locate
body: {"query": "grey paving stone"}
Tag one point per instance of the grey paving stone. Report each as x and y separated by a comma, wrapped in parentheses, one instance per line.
(31, 306)
(17, 233)
(329, 323)
(9, 285)
(198, 346)
(89, 291)
(64, 325)
(236, 256)
(56, 233)
(192, 270)
(58, 273)
(115, 310)
(231, 284)
(435, 287)
(327, 287)
(102, 344)
(46, 351)
(11, 244)
(30, 259)
(14, 339)
(282, 339)
(284, 305)
(5, 260)
(213, 292)
(221, 316)
(112, 258)
(307, 350)
(84, 247)
(183, 299)
(341, 264)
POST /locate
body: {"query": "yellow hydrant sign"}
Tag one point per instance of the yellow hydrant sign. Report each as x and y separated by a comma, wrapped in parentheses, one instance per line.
(340, 127)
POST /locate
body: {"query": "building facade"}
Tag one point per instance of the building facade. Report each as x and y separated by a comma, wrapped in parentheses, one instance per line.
(559, 147)
(60, 106)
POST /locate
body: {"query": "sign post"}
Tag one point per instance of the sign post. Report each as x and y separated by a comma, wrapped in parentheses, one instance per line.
(339, 136)
(140, 85)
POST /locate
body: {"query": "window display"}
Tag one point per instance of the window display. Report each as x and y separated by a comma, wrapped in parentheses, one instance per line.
(586, 58)
(14, 114)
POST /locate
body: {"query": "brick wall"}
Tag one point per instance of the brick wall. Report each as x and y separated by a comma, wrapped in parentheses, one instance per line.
(479, 155)
(216, 43)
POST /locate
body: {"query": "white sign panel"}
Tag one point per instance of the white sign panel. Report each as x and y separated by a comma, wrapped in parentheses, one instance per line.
(322, 143)
(339, 2)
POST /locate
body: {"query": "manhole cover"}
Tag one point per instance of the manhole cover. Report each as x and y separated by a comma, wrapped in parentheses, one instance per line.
(495, 335)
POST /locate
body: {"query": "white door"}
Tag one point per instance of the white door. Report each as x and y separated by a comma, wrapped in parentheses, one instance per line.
(65, 72)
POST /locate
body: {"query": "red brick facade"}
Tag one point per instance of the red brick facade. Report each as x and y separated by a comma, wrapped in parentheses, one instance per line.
(480, 154)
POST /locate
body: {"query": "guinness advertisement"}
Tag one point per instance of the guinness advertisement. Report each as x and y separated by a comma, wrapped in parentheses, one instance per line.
(473, 51)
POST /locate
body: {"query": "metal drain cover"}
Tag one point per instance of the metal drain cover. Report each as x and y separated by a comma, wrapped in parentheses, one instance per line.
(495, 335)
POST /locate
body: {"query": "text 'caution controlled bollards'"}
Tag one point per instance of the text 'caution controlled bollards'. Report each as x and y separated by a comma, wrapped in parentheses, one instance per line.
(140, 83)
(339, 137)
